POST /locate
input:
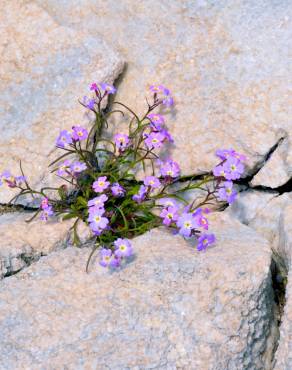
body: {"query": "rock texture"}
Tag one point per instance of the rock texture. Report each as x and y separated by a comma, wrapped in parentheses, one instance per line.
(44, 69)
(271, 216)
(275, 172)
(21, 242)
(225, 61)
(284, 353)
(169, 308)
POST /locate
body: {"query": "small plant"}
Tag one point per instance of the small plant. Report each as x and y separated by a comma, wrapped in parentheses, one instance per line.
(101, 186)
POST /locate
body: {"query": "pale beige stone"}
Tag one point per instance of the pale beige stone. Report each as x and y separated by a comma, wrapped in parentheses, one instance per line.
(284, 353)
(275, 172)
(22, 242)
(170, 307)
(44, 69)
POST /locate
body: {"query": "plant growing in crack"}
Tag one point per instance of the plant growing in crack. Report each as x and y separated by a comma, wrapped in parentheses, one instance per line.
(102, 187)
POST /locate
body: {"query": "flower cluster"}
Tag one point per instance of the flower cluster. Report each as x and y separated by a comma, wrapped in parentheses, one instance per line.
(230, 168)
(102, 189)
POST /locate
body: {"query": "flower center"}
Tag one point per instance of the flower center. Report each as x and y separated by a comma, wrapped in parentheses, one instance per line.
(187, 224)
(97, 218)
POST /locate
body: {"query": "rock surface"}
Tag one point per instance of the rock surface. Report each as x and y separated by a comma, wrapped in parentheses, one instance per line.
(44, 69)
(225, 61)
(274, 173)
(271, 216)
(21, 242)
(169, 308)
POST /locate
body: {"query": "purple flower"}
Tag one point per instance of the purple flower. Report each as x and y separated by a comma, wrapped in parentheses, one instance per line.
(233, 168)
(158, 89)
(100, 184)
(140, 196)
(154, 140)
(167, 135)
(167, 101)
(20, 180)
(219, 171)
(105, 257)
(8, 178)
(227, 192)
(152, 181)
(63, 168)
(169, 168)
(46, 213)
(77, 167)
(79, 133)
(202, 222)
(123, 248)
(98, 201)
(169, 215)
(156, 120)
(186, 223)
(115, 261)
(96, 209)
(97, 222)
(168, 202)
(122, 141)
(64, 138)
(117, 190)
(45, 203)
(205, 240)
(89, 103)
(108, 89)
(227, 153)
(94, 87)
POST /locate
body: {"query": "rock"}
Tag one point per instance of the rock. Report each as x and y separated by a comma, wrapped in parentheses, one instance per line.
(248, 204)
(226, 63)
(170, 307)
(271, 216)
(283, 355)
(274, 173)
(44, 69)
(21, 242)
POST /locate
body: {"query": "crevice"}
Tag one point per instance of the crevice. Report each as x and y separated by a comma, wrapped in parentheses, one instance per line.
(26, 259)
(279, 276)
(263, 161)
(18, 207)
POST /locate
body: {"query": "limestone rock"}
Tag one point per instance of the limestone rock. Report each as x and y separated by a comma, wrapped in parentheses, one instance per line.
(227, 64)
(21, 242)
(271, 216)
(44, 69)
(274, 173)
(248, 204)
(170, 307)
(284, 355)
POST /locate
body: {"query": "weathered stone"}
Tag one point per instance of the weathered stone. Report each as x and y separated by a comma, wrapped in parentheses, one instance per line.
(170, 307)
(21, 242)
(275, 172)
(248, 204)
(44, 69)
(271, 216)
(226, 63)
(284, 352)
